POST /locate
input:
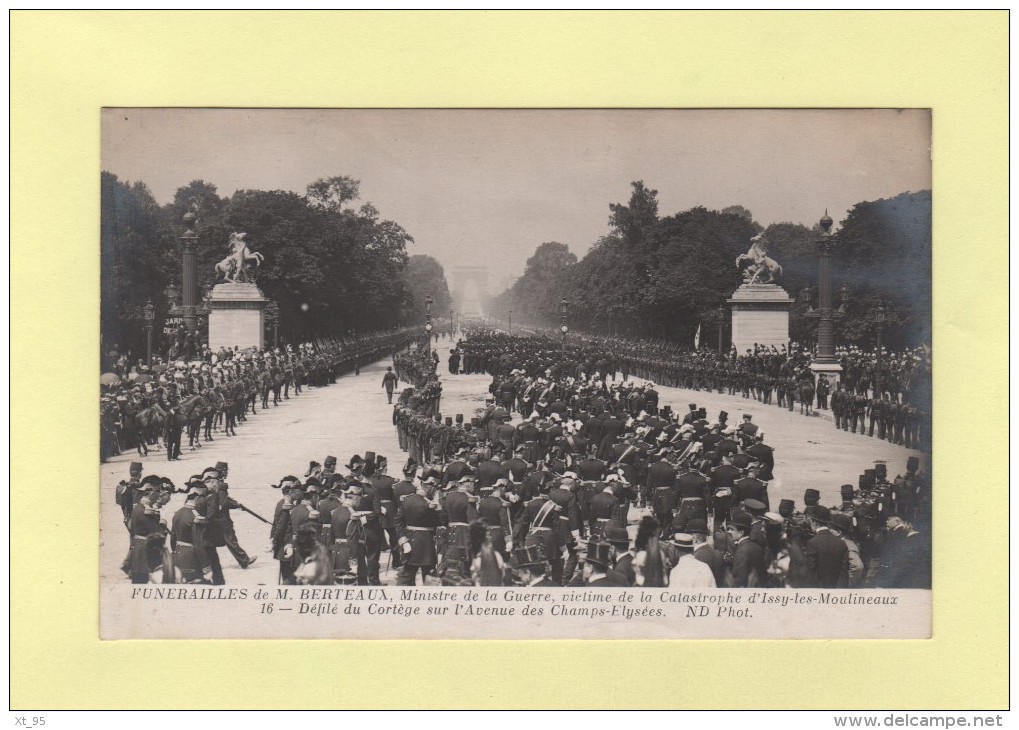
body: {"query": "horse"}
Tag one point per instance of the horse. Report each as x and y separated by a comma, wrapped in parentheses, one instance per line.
(806, 393)
(765, 265)
(233, 267)
(150, 422)
(191, 412)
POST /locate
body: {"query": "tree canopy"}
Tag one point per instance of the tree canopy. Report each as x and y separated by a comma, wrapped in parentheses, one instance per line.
(332, 268)
(662, 277)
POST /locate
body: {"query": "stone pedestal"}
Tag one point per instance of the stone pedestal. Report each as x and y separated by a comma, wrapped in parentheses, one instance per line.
(236, 319)
(760, 315)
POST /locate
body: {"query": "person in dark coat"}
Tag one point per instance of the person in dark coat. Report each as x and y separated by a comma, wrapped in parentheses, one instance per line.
(596, 565)
(622, 573)
(826, 553)
(531, 567)
(748, 565)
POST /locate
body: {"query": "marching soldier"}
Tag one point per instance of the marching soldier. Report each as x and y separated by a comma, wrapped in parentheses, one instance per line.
(420, 520)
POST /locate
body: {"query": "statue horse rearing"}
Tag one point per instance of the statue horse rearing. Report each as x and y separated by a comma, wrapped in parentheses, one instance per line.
(766, 265)
(234, 267)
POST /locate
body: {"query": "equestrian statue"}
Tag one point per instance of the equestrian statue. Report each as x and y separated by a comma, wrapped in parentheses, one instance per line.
(761, 264)
(236, 267)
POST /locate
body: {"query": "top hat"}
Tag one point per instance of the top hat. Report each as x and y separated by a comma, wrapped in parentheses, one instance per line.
(527, 557)
(912, 463)
(136, 468)
(847, 492)
(697, 527)
(786, 507)
(449, 420)
(870, 472)
(599, 553)
(867, 481)
(811, 497)
(880, 470)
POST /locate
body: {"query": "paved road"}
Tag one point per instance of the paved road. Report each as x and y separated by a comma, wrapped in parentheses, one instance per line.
(352, 416)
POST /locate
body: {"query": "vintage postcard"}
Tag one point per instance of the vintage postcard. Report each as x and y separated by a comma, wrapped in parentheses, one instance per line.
(581, 373)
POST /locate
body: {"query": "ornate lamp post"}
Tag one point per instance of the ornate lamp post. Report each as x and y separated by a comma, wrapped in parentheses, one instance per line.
(511, 320)
(878, 392)
(452, 329)
(189, 273)
(272, 313)
(824, 359)
(428, 323)
(150, 318)
(563, 304)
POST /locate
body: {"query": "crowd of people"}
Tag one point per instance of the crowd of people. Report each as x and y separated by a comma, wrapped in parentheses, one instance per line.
(155, 405)
(547, 500)
(888, 396)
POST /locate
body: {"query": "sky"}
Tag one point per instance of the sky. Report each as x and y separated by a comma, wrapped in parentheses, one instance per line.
(486, 187)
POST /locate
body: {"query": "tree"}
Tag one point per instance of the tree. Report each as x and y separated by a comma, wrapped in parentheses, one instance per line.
(137, 261)
(883, 252)
(738, 210)
(634, 223)
(423, 277)
(332, 193)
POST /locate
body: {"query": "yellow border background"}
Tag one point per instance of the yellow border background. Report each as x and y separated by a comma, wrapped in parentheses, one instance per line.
(66, 65)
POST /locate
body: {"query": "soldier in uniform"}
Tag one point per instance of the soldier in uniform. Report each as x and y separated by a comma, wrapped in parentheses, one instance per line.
(494, 510)
(750, 487)
(185, 540)
(420, 520)
(823, 389)
(540, 524)
(460, 508)
(341, 531)
(601, 509)
(723, 479)
(693, 491)
(389, 382)
(227, 503)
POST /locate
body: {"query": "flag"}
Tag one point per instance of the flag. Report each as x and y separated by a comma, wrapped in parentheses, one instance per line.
(697, 338)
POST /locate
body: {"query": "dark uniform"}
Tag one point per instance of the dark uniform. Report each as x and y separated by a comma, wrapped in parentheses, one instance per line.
(420, 521)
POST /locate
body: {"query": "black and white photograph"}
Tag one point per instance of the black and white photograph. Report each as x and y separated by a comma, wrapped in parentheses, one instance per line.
(515, 373)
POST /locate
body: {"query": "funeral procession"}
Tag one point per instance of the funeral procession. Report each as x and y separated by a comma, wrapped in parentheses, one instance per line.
(686, 394)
